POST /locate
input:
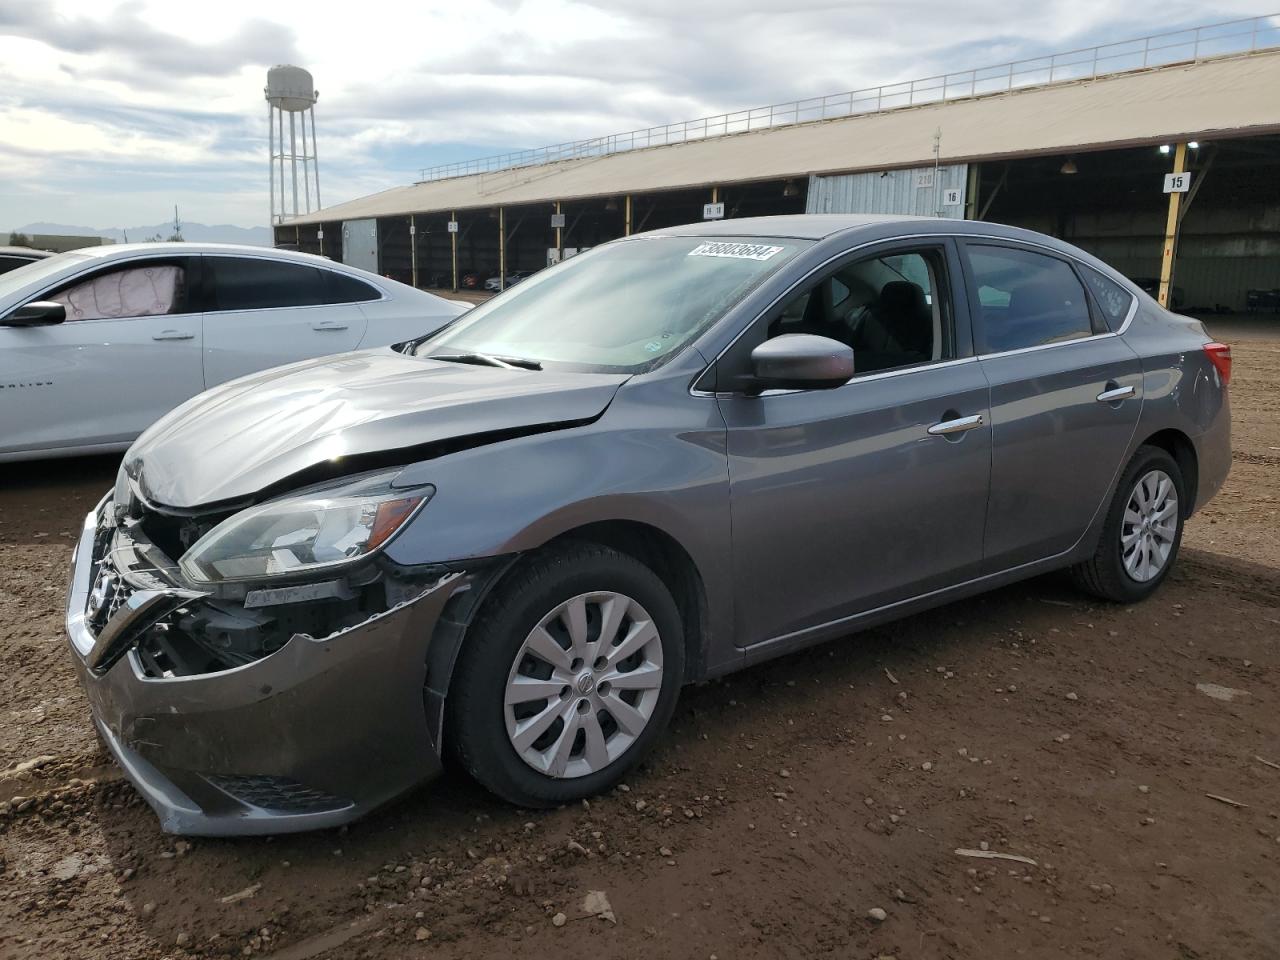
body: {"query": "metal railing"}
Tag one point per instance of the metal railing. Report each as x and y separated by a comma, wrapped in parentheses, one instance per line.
(1159, 49)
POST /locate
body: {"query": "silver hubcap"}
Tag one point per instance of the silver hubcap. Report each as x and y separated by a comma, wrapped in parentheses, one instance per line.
(584, 685)
(1149, 527)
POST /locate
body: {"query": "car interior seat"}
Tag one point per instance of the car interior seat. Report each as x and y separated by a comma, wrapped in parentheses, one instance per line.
(819, 319)
(898, 330)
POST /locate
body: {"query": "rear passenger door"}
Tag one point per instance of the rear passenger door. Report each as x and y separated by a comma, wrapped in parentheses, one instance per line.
(266, 312)
(1065, 395)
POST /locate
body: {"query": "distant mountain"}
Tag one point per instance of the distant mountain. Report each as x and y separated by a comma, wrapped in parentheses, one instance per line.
(195, 232)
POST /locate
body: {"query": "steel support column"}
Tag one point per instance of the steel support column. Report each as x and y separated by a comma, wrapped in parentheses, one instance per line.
(1210, 154)
(453, 243)
(502, 249)
(1171, 229)
(559, 237)
(995, 192)
(413, 247)
(627, 217)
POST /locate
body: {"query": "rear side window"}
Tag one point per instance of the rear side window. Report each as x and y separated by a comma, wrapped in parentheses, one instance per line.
(251, 284)
(340, 288)
(1027, 299)
(1113, 299)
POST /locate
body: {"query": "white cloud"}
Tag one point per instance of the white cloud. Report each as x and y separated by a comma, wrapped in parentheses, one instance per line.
(111, 112)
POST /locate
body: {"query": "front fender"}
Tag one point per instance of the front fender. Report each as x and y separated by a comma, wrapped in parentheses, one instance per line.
(656, 457)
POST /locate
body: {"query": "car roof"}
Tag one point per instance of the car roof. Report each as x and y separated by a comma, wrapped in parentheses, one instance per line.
(804, 226)
(113, 251)
(847, 228)
(821, 226)
(24, 252)
(824, 226)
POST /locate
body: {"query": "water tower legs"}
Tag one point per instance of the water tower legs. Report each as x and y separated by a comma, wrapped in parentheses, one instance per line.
(271, 167)
(280, 143)
(293, 158)
(306, 173)
(315, 155)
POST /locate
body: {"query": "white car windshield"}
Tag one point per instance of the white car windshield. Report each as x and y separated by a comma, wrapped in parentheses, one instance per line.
(623, 307)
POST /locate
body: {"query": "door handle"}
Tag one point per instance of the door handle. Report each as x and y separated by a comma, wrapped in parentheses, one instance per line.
(1115, 394)
(949, 427)
(328, 325)
(173, 335)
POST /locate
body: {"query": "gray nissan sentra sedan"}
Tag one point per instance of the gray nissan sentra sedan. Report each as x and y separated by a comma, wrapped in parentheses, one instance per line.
(664, 460)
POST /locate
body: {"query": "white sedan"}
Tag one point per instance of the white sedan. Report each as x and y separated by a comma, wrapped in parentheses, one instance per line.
(97, 344)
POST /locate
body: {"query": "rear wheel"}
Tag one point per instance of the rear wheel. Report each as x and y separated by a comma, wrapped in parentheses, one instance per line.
(1142, 532)
(569, 674)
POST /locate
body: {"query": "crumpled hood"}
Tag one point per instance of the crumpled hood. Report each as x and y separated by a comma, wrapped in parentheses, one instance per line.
(236, 439)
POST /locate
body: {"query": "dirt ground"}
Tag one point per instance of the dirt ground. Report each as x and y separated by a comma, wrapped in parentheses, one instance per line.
(786, 804)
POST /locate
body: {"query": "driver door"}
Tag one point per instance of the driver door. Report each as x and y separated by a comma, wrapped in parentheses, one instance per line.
(843, 500)
(128, 352)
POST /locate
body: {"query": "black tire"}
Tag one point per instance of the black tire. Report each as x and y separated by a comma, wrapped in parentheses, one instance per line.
(475, 720)
(1104, 574)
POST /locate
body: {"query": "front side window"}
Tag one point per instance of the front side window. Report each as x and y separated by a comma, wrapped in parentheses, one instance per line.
(620, 308)
(1027, 299)
(892, 309)
(245, 283)
(144, 290)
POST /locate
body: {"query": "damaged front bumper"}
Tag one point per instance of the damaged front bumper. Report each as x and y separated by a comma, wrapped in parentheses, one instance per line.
(314, 734)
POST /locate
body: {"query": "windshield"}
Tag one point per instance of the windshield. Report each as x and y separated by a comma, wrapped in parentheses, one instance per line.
(15, 280)
(621, 308)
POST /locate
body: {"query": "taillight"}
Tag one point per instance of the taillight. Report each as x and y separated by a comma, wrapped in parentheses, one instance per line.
(1219, 355)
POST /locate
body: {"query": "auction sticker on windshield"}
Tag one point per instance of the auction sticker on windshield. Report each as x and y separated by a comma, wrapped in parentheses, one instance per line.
(737, 251)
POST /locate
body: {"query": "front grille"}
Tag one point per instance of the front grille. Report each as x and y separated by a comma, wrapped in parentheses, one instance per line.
(277, 794)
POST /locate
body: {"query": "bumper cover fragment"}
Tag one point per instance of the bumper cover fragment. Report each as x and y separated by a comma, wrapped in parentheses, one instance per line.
(313, 735)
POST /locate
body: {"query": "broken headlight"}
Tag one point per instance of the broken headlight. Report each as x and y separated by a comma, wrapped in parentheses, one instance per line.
(300, 535)
(121, 494)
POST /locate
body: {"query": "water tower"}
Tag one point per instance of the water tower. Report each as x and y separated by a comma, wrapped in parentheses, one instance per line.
(291, 90)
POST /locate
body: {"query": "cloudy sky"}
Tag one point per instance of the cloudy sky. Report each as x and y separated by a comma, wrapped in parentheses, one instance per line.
(112, 112)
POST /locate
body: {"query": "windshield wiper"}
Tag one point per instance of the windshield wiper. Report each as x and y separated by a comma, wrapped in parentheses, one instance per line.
(522, 362)
(488, 360)
(480, 359)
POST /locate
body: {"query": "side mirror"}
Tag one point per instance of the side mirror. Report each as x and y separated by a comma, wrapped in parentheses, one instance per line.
(39, 313)
(800, 361)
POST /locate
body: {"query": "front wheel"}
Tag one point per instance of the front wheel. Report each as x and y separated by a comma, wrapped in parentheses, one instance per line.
(569, 674)
(1142, 531)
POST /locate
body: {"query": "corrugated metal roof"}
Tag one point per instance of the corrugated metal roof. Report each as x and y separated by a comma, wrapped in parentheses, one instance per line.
(1231, 96)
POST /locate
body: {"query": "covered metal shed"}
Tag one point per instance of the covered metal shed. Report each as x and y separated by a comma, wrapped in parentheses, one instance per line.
(965, 155)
